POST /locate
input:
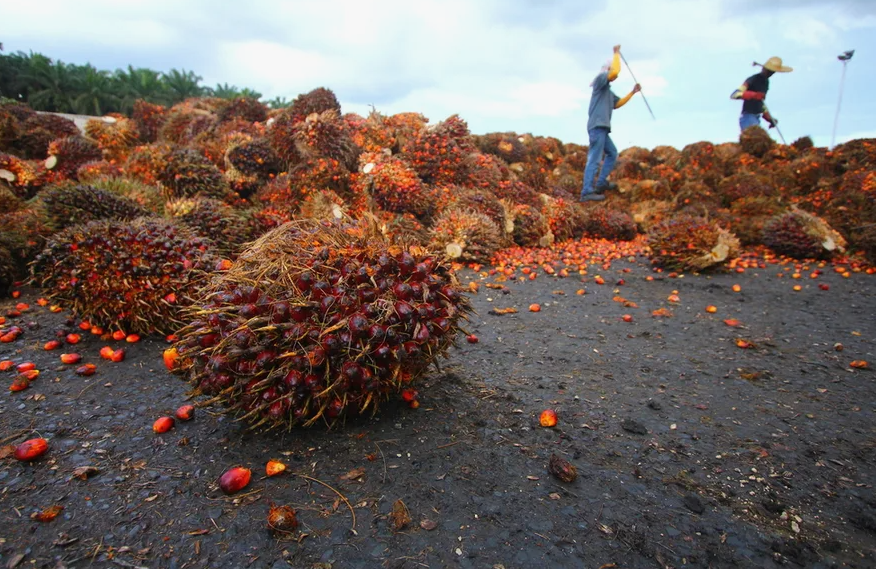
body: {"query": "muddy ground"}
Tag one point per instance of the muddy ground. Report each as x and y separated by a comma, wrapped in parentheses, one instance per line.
(691, 451)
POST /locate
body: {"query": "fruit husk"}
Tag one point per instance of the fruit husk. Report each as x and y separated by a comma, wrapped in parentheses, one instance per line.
(562, 469)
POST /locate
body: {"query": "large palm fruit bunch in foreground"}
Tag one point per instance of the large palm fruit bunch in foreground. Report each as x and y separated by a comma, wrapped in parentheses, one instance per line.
(67, 204)
(802, 235)
(67, 154)
(318, 321)
(129, 275)
(690, 243)
(392, 183)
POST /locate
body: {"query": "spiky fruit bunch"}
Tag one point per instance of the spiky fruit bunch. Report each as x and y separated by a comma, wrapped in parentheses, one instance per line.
(130, 275)
(149, 119)
(147, 163)
(223, 225)
(667, 155)
(457, 129)
(803, 143)
(24, 176)
(486, 171)
(436, 156)
(312, 176)
(744, 185)
(246, 108)
(254, 158)
(857, 153)
(405, 127)
(749, 215)
(698, 160)
(810, 169)
(23, 232)
(39, 130)
(756, 141)
(529, 227)
(115, 138)
(316, 101)
(281, 135)
(632, 163)
(695, 196)
(98, 169)
(319, 321)
(323, 205)
(482, 201)
(325, 135)
(667, 175)
(801, 235)
(565, 218)
(392, 183)
(465, 235)
(533, 175)
(689, 243)
(67, 154)
(505, 145)
(644, 190)
(371, 134)
(865, 241)
(518, 192)
(605, 223)
(727, 152)
(176, 126)
(146, 196)
(188, 174)
(278, 193)
(262, 219)
(569, 180)
(68, 204)
(646, 214)
(575, 155)
(403, 228)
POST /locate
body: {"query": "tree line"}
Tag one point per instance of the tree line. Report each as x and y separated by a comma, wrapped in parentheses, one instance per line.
(52, 85)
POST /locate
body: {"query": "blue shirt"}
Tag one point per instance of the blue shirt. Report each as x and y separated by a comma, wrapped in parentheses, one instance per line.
(602, 102)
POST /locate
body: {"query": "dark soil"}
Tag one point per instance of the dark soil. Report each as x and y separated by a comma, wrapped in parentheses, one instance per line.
(691, 451)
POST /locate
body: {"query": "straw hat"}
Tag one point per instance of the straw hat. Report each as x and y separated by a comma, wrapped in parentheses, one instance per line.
(775, 64)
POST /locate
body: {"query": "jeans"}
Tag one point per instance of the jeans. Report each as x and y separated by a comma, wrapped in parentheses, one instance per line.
(748, 119)
(600, 145)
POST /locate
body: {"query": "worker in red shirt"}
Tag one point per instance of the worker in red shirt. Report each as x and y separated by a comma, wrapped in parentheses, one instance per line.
(753, 92)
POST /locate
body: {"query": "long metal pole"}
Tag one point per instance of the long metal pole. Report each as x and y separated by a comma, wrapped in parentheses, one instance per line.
(838, 103)
(636, 80)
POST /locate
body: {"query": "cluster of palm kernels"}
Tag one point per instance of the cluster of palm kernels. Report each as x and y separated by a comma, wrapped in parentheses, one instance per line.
(743, 185)
(68, 204)
(246, 108)
(315, 321)
(325, 135)
(222, 224)
(254, 158)
(756, 141)
(689, 243)
(392, 183)
(607, 223)
(465, 235)
(748, 216)
(130, 275)
(187, 174)
(149, 119)
(67, 154)
(38, 131)
(564, 217)
(91, 171)
(436, 157)
(529, 228)
(506, 146)
(116, 138)
(802, 235)
(483, 201)
(24, 176)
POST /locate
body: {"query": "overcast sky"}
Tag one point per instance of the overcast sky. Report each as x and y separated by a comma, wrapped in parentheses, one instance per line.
(502, 65)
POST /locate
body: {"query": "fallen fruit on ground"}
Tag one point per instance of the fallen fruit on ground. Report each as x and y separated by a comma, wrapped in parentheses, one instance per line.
(170, 356)
(711, 309)
(235, 479)
(274, 467)
(86, 370)
(48, 514)
(31, 449)
(534, 307)
(281, 519)
(471, 339)
(185, 412)
(162, 424)
(548, 418)
(562, 469)
(70, 358)
(859, 364)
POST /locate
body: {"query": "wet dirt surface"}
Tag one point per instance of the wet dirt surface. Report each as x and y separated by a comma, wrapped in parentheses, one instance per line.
(691, 451)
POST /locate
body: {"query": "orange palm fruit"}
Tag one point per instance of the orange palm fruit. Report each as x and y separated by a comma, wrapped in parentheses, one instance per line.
(87, 369)
(106, 352)
(52, 345)
(275, 467)
(162, 424)
(548, 418)
(118, 355)
(170, 356)
(119, 335)
(70, 358)
(73, 338)
(235, 479)
(535, 307)
(31, 450)
(185, 412)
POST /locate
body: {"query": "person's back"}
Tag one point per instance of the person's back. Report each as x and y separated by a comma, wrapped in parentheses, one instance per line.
(602, 102)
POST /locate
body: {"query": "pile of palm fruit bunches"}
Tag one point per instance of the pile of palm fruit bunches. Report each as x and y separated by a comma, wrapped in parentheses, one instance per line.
(305, 257)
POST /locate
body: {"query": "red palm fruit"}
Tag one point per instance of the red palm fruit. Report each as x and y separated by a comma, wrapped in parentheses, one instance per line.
(106, 352)
(85, 325)
(73, 338)
(132, 338)
(31, 450)
(162, 424)
(52, 345)
(20, 383)
(96, 330)
(235, 479)
(282, 519)
(548, 418)
(30, 374)
(26, 366)
(170, 356)
(275, 467)
(119, 335)
(70, 358)
(185, 412)
(118, 355)
(6, 365)
(409, 395)
(471, 339)
(87, 369)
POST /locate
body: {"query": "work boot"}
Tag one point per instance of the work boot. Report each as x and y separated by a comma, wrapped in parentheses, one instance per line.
(594, 197)
(601, 188)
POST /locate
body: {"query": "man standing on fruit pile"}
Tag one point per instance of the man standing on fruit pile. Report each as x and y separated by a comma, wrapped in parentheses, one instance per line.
(602, 103)
(753, 92)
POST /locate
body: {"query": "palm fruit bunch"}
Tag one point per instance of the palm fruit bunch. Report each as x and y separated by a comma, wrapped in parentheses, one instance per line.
(253, 157)
(23, 232)
(115, 135)
(146, 163)
(632, 163)
(727, 153)
(647, 213)
(855, 154)
(392, 183)
(9, 201)
(261, 219)
(323, 205)
(39, 130)
(402, 228)
(533, 175)
(187, 174)
(688, 243)
(564, 217)
(146, 196)
(457, 129)
(748, 215)
(67, 204)
(528, 226)
(10, 131)
(743, 185)
(667, 175)
(667, 155)
(607, 223)
(485, 171)
(505, 145)
(7, 269)
(644, 190)
(24, 176)
(149, 119)
(482, 201)
(67, 154)
(247, 108)
(317, 322)
(130, 275)
(311, 176)
(803, 143)
(698, 160)
(465, 235)
(756, 141)
(223, 225)
(518, 192)
(98, 169)
(316, 101)
(436, 156)
(405, 127)
(278, 193)
(801, 235)
(697, 198)
(370, 134)
(575, 155)
(177, 126)
(325, 135)
(865, 241)
(569, 180)
(281, 135)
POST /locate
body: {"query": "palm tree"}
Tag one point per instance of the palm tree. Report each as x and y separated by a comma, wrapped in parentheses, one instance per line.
(139, 83)
(95, 95)
(279, 103)
(51, 86)
(224, 91)
(248, 93)
(182, 84)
